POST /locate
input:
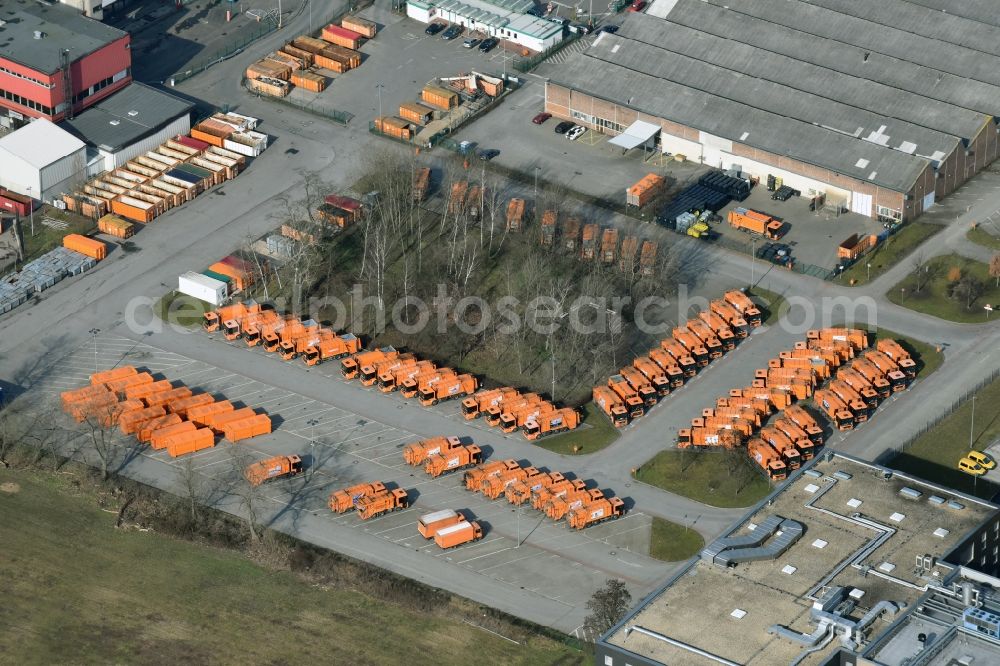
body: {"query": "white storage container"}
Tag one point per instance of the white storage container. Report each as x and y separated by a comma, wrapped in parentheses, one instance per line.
(202, 287)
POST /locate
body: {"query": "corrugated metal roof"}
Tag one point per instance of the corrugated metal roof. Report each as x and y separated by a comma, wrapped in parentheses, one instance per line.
(131, 114)
(739, 122)
(774, 97)
(40, 143)
(796, 74)
(62, 28)
(984, 11)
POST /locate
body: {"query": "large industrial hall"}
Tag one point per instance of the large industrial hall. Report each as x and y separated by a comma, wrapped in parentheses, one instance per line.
(882, 107)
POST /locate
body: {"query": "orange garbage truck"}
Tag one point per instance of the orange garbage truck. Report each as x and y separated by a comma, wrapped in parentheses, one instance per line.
(800, 417)
(476, 404)
(474, 477)
(392, 380)
(856, 337)
(874, 376)
(494, 486)
(835, 409)
(458, 534)
(745, 306)
(459, 457)
(731, 316)
(272, 468)
(551, 423)
(684, 359)
(308, 336)
(746, 219)
(522, 400)
(368, 374)
(694, 346)
(417, 453)
(214, 319)
(557, 507)
(624, 390)
(609, 508)
(703, 332)
(517, 418)
(612, 406)
(653, 374)
(270, 339)
(429, 523)
(854, 402)
(345, 499)
(720, 328)
(350, 366)
(783, 445)
(411, 386)
(861, 386)
(798, 437)
(265, 322)
(541, 497)
(671, 366)
(895, 351)
(725, 437)
(520, 492)
(331, 346)
(767, 459)
(377, 504)
(642, 386)
(896, 377)
(448, 389)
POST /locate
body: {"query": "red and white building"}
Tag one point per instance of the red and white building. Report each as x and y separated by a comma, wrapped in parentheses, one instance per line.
(58, 62)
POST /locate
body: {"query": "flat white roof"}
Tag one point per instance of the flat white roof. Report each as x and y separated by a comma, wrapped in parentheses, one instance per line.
(40, 143)
(635, 135)
(457, 527)
(437, 515)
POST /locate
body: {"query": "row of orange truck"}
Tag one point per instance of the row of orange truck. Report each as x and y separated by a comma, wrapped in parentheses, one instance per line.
(549, 492)
(285, 335)
(638, 387)
(835, 367)
(391, 370)
(632, 257)
(165, 416)
(509, 409)
(369, 500)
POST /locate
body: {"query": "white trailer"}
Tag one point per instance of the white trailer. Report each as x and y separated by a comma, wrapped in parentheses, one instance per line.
(202, 287)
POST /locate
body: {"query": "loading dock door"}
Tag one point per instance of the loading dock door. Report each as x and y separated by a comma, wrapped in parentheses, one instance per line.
(928, 199)
(861, 204)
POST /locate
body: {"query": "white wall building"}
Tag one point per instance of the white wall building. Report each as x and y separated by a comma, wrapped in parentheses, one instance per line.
(40, 160)
(504, 19)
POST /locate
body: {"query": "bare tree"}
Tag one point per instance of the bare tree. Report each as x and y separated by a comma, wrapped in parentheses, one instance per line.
(192, 485)
(968, 289)
(100, 419)
(995, 267)
(607, 607)
(249, 493)
(923, 272)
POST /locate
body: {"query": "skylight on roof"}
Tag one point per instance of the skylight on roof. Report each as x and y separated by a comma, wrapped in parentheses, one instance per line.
(861, 163)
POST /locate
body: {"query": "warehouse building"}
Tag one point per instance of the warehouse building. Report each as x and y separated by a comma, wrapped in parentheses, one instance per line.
(883, 107)
(51, 56)
(127, 124)
(507, 20)
(846, 558)
(40, 160)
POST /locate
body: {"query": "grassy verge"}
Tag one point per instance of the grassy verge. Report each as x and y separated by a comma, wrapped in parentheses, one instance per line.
(583, 440)
(717, 478)
(181, 309)
(47, 238)
(671, 542)
(933, 297)
(771, 304)
(982, 237)
(80, 591)
(935, 454)
(889, 253)
(927, 356)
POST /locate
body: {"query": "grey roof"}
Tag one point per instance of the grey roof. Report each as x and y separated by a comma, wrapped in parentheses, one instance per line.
(137, 111)
(809, 46)
(774, 97)
(984, 11)
(63, 28)
(887, 101)
(884, 39)
(739, 122)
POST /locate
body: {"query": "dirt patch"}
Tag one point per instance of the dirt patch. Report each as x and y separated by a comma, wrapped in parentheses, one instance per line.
(10, 488)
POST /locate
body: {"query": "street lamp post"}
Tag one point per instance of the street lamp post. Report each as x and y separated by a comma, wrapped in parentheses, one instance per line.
(378, 87)
(536, 182)
(868, 265)
(753, 259)
(31, 211)
(972, 423)
(94, 332)
(312, 423)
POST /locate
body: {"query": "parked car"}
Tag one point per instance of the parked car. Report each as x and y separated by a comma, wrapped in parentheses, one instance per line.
(470, 43)
(984, 459)
(610, 28)
(434, 28)
(637, 6)
(488, 44)
(487, 154)
(541, 118)
(564, 127)
(576, 133)
(970, 466)
(452, 32)
(581, 28)
(466, 147)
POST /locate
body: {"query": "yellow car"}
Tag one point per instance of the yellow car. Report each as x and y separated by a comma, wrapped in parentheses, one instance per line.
(983, 459)
(970, 466)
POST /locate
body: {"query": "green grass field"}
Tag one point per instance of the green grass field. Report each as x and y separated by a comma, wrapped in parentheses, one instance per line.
(180, 309)
(983, 237)
(47, 238)
(771, 304)
(671, 542)
(595, 432)
(890, 253)
(706, 477)
(935, 454)
(933, 298)
(76, 590)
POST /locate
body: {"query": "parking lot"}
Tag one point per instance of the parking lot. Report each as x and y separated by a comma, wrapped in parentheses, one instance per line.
(401, 59)
(521, 547)
(813, 236)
